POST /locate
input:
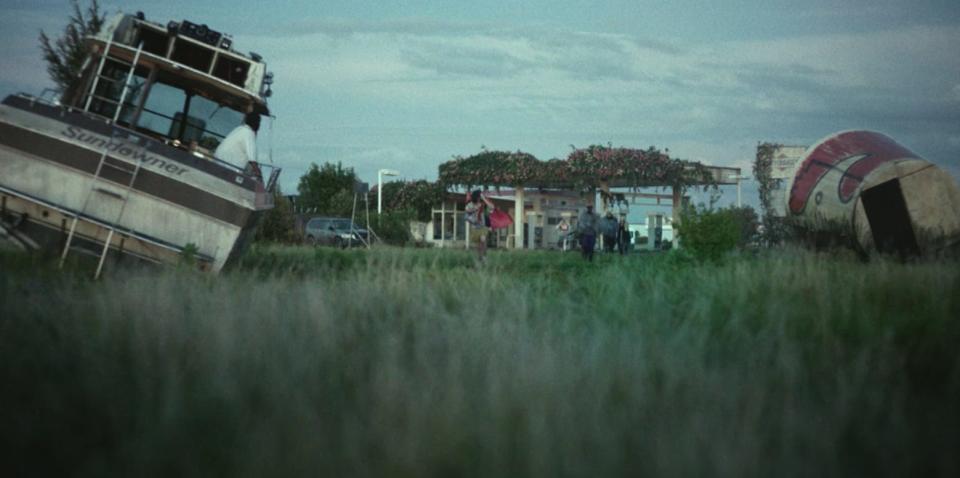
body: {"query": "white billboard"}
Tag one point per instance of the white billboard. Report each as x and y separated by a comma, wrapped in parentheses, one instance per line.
(785, 159)
(783, 166)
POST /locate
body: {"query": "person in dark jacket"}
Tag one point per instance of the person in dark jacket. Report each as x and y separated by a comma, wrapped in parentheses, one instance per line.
(623, 235)
(608, 225)
(587, 229)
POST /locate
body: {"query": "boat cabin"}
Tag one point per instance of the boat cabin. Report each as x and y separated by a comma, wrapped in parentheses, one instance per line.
(180, 83)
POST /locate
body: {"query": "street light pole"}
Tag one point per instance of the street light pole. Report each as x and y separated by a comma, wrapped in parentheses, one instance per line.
(380, 174)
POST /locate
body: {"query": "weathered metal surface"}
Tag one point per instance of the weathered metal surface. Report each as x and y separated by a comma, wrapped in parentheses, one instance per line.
(47, 165)
(866, 186)
(126, 189)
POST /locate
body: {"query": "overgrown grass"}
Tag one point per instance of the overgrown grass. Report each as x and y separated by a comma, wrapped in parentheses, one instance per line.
(397, 362)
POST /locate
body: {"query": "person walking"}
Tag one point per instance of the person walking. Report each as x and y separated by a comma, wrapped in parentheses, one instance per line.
(587, 228)
(475, 213)
(564, 229)
(623, 235)
(608, 227)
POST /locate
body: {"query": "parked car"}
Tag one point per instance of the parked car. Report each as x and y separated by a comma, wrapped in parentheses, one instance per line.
(334, 231)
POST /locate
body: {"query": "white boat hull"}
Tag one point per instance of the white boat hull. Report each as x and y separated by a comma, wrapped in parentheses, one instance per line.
(49, 159)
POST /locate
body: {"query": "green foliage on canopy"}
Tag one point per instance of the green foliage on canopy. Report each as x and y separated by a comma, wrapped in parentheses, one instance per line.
(638, 168)
(419, 197)
(415, 198)
(491, 168)
(583, 168)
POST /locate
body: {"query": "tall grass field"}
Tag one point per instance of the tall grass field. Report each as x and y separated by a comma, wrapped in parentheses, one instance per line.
(420, 363)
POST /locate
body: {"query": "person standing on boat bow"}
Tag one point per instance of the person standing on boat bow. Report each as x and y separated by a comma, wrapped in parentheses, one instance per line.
(240, 146)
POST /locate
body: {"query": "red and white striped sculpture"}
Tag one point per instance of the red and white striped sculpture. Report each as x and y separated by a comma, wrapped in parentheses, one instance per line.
(866, 186)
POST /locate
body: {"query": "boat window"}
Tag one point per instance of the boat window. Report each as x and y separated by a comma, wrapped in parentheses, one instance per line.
(110, 87)
(182, 115)
(219, 121)
(163, 105)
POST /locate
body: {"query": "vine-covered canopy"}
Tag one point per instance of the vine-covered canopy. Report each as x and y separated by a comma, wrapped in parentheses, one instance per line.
(491, 168)
(762, 171)
(621, 167)
(416, 196)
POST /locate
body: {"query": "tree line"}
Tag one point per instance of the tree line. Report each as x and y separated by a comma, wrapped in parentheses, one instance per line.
(332, 190)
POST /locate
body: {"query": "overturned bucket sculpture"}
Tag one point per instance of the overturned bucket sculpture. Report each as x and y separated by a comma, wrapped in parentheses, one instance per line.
(864, 187)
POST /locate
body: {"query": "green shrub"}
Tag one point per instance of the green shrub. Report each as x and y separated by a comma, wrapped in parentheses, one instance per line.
(188, 257)
(709, 234)
(393, 227)
(278, 224)
(747, 224)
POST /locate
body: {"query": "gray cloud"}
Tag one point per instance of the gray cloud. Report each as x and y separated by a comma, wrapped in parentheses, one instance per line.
(540, 86)
(409, 26)
(485, 50)
(561, 39)
(464, 60)
(581, 56)
(761, 77)
(531, 86)
(21, 59)
(795, 78)
(547, 36)
(595, 61)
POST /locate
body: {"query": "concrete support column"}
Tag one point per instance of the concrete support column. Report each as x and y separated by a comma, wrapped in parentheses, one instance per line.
(532, 219)
(443, 224)
(518, 217)
(677, 204)
(605, 189)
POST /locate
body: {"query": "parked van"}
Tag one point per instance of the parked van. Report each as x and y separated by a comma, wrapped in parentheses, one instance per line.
(334, 231)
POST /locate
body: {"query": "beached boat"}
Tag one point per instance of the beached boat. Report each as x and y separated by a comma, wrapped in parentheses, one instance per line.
(123, 165)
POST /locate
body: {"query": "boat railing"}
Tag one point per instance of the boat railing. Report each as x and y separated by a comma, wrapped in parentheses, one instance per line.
(272, 182)
(144, 55)
(42, 97)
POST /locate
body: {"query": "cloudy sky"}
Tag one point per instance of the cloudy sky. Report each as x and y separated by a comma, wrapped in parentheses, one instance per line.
(408, 84)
